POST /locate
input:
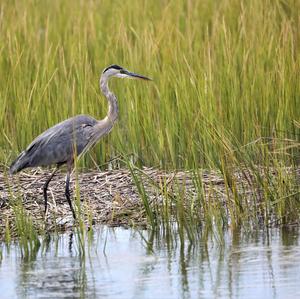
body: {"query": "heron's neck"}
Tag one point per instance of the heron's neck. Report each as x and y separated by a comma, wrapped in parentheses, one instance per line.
(113, 109)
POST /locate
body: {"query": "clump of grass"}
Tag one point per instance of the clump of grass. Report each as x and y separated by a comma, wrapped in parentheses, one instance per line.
(250, 196)
(84, 218)
(26, 232)
(150, 213)
(7, 232)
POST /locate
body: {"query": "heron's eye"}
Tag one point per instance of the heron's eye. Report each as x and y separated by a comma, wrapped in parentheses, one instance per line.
(122, 71)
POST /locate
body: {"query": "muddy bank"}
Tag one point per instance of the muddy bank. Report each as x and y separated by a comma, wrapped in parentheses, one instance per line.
(111, 197)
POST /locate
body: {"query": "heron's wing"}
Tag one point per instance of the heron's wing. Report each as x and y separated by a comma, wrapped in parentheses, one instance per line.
(59, 143)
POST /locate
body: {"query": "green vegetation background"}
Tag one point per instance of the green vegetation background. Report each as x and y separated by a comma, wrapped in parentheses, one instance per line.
(226, 77)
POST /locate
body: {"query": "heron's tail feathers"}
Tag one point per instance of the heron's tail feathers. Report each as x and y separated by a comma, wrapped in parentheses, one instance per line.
(20, 163)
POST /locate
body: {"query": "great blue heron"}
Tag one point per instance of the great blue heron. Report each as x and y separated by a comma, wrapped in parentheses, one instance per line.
(61, 143)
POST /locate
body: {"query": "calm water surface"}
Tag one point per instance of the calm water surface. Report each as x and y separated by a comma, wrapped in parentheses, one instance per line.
(121, 263)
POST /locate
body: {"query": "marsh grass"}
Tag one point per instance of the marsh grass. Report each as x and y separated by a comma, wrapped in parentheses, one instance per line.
(84, 219)
(23, 226)
(251, 197)
(7, 232)
(26, 232)
(225, 74)
(225, 96)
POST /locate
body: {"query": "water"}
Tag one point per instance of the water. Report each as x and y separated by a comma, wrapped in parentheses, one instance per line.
(123, 263)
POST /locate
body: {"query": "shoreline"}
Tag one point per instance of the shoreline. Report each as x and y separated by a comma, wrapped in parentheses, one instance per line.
(113, 197)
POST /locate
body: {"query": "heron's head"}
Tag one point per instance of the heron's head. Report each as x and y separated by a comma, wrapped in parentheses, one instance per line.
(118, 71)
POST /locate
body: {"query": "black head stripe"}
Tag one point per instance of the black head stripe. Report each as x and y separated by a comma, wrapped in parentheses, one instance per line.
(113, 66)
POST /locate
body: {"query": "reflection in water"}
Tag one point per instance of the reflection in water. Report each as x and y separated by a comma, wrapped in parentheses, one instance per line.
(119, 263)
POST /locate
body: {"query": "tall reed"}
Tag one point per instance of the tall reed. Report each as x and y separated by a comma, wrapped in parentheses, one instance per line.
(220, 68)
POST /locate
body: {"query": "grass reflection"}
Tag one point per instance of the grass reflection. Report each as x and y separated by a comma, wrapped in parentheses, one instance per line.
(120, 263)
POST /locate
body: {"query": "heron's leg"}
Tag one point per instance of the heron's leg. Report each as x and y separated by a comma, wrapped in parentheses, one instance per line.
(46, 187)
(67, 193)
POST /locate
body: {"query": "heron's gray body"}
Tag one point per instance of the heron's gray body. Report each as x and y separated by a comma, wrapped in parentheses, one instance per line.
(62, 142)
(73, 137)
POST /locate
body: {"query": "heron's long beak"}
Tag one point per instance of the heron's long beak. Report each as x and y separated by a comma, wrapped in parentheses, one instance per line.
(134, 75)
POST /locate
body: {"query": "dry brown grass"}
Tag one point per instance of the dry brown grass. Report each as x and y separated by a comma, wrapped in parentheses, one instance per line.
(112, 197)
